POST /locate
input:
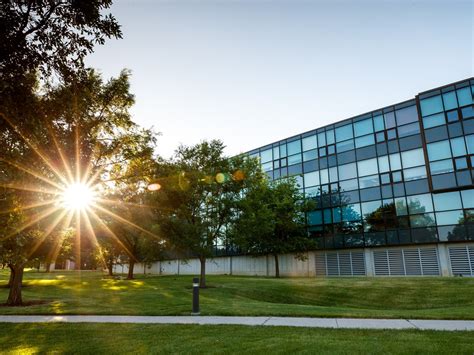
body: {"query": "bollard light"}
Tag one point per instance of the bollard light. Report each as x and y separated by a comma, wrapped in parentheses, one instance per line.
(195, 297)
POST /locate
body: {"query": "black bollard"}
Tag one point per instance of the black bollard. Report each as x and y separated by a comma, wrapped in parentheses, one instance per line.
(195, 297)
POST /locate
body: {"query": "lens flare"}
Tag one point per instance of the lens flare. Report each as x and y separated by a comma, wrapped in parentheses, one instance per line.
(77, 196)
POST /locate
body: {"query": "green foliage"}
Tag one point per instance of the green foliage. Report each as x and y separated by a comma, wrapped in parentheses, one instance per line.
(52, 36)
(271, 219)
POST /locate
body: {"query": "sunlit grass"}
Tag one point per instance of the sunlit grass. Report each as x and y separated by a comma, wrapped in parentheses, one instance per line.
(95, 293)
(186, 339)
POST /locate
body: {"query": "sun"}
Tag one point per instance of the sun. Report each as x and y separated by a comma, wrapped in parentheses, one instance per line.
(77, 196)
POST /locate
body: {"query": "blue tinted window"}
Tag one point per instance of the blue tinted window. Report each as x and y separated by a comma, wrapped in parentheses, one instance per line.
(363, 127)
(267, 166)
(367, 167)
(420, 204)
(383, 164)
(327, 216)
(441, 166)
(401, 206)
(389, 118)
(464, 96)
(348, 185)
(458, 146)
(395, 162)
(347, 171)
(470, 144)
(276, 153)
(283, 150)
(467, 112)
(369, 207)
(406, 115)
(309, 143)
(422, 220)
(364, 141)
(378, 123)
(439, 150)
(449, 100)
(310, 155)
(343, 133)
(413, 158)
(311, 179)
(294, 147)
(294, 159)
(330, 136)
(451, 217)
(351, 212)
(315, 218)
(434, 120)
(468, 198)
(431, 105)
(321, 139)
(447, 201)
(266, 156)
(408, 130)
(414, 173)
(345, 146)
(369, 181)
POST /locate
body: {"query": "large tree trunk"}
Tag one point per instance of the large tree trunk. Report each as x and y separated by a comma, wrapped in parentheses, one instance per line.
(202, 281)
(277, 266)
(48, 267)
(110, 268)
(14, 297)
(10, 280)
(131, 265)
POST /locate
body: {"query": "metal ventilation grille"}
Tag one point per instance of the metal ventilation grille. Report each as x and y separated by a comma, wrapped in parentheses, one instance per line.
(406, 262)
(462, 260)
(340, 264)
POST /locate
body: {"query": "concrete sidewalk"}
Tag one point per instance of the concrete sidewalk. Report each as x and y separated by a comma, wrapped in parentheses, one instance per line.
(263, 321)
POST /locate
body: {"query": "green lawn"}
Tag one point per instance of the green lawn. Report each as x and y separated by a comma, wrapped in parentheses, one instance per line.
(134, 338)
(93, 293)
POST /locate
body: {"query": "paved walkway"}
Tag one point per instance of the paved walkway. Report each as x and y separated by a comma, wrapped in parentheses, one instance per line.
(265, 321)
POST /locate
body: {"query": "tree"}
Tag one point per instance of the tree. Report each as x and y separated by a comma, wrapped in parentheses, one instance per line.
(199, 190)
(271, 220)
(51, 36)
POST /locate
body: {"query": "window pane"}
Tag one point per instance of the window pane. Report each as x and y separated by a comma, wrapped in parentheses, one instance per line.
(422, 220)
(413, 158)
(311, 191)
(347, 171)
(345, 146)
(321, 139)
(369, 181)
(447, 201)
(364, 127)
(283, 150)
(310, 155)
(401, 206)
(451, 217)
(294, 159)
(369, 207)
(414, 173)
(324, 176)
(470, 144)
(351, 213)
(468, 198)
(395, 163)
(267, 166)
(458, 146)
(406, 115)
(343, 133)
(439, 150)
(441, 166)
(420, 204)
(294, 147)
(449, 100)
(333, 174)
(276, 153)
(330, 136)
(464, 96)
(299, 180)
(378, 123)
(315, 217)
(266, 155)
(367, 167)
(434, 120)
(431, 105)
(408, 130)
(348, 185)
(389, 118)
(309, 143)
(383, 164)
(364, 141)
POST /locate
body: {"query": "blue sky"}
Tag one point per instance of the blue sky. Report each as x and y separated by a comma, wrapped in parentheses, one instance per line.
(253, 72)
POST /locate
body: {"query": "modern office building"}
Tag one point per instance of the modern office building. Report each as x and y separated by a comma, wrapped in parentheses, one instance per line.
(394, 187)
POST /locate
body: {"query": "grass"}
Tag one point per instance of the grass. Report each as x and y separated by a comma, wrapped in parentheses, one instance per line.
(93, 293)
(134, 338)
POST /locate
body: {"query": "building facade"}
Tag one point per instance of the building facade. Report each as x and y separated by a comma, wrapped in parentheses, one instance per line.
(398, 180)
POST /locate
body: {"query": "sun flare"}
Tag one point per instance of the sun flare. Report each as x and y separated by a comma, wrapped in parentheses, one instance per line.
(77, 196)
